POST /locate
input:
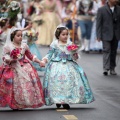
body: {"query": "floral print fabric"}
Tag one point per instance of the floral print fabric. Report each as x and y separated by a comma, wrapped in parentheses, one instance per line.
(65, 81)
(17, 91)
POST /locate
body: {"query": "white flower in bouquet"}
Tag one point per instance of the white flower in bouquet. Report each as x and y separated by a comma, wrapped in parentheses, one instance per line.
(31, 35)
(14, 5)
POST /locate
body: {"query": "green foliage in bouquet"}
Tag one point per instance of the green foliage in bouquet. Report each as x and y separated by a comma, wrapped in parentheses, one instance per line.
(39, 22)
(13, 13)
(31, 36)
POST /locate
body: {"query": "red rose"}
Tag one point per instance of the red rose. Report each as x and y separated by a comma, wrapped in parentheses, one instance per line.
(14, 53)
(72, 47)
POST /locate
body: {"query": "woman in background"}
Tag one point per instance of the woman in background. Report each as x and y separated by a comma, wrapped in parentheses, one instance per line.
(3, 34)
(50, 17)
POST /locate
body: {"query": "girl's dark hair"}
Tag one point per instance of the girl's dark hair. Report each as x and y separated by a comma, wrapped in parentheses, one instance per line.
(13, 34)
(12, 21)
(3, 22)
(58, 31)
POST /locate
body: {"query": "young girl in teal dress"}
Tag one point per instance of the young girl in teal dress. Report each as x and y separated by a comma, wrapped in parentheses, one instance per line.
(31, 43)
(3, 35)
(65, 82)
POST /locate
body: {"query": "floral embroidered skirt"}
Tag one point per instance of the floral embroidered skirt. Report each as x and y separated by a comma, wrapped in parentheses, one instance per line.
(17, 92)
(66, 83)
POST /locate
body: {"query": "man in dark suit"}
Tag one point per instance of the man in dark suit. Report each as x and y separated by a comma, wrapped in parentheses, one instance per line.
(108, 30)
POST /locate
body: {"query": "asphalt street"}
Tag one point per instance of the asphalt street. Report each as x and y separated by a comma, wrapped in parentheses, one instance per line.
(106, 90)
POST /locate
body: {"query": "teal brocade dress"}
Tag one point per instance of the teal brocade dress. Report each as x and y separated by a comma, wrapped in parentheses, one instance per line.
(65, 81)
(35, 51)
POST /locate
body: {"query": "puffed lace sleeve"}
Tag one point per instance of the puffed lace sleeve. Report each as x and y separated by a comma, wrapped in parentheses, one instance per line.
(50, 52)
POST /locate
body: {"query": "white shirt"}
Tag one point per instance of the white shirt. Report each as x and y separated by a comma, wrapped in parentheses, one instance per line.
(112, 8)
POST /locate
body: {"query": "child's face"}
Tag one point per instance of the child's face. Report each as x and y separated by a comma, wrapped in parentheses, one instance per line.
(63, 36)
(18, 37)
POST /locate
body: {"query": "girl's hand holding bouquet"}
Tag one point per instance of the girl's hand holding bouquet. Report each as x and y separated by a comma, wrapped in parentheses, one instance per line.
(15, 55)
(74, 50)
(8, 61)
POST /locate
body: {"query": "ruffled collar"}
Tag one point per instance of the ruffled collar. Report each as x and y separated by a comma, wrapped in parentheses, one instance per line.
(62, 47)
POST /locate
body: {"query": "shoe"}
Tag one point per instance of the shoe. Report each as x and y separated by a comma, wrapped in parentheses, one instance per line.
(87, 51)
(66, 106)
(105, 72)
(58, 105)
(82, 48)
(112, 72)
(100, 51)
(15, 109)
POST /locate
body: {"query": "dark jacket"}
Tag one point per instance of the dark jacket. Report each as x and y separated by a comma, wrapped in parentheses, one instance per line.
(108, 23)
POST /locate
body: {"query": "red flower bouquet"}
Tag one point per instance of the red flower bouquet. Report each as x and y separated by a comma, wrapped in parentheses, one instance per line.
(72, 48)
(15, 54)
